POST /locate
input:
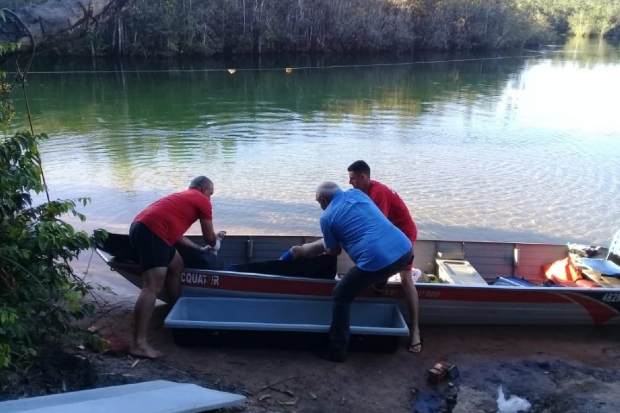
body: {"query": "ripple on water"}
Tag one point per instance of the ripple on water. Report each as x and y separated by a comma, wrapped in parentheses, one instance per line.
(492, 154)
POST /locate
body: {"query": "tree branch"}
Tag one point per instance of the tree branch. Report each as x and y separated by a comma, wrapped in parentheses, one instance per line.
(49, 20)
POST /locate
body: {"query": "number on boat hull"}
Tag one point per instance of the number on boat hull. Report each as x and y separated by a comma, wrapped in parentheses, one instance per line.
(611, 298)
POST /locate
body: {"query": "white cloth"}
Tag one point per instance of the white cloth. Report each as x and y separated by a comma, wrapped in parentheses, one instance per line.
(416, 274)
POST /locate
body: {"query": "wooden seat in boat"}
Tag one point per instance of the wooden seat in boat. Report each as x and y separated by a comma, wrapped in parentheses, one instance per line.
(610, 266)
(458, 271)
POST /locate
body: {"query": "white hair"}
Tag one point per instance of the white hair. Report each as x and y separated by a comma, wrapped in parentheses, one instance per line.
(201, 182)
(327, 190)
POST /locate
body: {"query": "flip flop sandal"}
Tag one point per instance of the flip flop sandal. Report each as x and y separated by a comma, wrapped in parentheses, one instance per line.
(412, 346)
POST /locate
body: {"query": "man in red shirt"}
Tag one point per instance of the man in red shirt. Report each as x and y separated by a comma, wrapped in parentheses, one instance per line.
(397, 212)
(153, 234)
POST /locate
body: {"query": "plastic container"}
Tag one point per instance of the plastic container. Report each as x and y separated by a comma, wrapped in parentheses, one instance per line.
(281, 323)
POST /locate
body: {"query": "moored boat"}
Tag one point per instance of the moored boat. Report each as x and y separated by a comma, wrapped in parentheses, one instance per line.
(470, 291)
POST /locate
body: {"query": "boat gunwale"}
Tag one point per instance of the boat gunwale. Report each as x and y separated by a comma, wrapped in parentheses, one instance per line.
(392, 283)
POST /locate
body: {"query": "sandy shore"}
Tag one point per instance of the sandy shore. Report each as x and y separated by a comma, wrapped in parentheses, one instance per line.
(555, 369)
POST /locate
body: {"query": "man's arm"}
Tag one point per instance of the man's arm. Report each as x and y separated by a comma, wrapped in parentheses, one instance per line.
(330, 242)
(334, 251)
(208, 233)
(309, 249)
(187, 242)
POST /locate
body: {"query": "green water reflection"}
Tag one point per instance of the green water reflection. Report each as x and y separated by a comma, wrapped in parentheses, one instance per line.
(479, 146)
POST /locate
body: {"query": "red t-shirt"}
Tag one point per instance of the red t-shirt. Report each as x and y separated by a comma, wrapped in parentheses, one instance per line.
(172, 215)
(393, 208)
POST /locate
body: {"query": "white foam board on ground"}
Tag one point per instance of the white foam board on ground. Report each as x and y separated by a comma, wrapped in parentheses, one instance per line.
(158, 396)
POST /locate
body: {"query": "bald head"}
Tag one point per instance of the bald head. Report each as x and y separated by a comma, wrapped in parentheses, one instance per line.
(201, 182)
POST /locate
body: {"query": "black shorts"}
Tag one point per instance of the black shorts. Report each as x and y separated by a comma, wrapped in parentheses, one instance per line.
(152, 251)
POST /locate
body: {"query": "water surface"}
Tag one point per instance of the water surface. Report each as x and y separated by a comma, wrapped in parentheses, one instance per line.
(511, 147)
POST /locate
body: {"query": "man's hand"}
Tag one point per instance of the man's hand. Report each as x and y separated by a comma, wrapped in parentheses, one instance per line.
(334, 251)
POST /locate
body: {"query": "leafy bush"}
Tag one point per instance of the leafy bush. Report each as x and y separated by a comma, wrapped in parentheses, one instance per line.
(39, 293)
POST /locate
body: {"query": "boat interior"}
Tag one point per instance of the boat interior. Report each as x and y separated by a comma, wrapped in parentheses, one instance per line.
(449, 262)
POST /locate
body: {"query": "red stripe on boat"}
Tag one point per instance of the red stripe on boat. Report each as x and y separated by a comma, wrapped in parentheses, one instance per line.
(425, 292)
(600, 312)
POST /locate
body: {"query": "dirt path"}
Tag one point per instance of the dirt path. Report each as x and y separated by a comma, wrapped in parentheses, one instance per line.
(556, 369)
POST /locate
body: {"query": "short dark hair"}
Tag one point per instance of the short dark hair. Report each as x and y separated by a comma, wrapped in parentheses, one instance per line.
(200, 182)
(359, 167)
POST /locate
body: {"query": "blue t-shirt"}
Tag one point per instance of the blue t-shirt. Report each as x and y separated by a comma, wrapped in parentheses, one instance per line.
(353, 221)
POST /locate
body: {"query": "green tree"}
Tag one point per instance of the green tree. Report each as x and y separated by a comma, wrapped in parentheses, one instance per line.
(171, 27)
(39, 293)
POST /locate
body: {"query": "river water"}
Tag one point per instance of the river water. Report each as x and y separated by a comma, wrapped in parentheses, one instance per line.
(521, 146)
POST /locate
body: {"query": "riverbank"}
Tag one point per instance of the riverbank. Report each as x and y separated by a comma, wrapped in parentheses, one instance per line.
(557, 369)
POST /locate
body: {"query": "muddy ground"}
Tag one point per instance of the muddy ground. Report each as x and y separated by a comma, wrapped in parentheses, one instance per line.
(557, 369)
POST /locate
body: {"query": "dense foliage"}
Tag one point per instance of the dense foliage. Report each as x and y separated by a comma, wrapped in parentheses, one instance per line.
(39, 293)
(168, 27)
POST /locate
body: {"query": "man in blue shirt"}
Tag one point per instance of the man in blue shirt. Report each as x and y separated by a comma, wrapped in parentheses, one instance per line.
(351, 221)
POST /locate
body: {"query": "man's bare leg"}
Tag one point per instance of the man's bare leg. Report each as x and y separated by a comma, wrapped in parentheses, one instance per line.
(411, 298)
(152, 283)
(173, 279)
(310, 249)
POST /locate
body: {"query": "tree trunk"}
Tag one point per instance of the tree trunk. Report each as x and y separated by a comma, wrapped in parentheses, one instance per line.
(51, 19)
(119, 24)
